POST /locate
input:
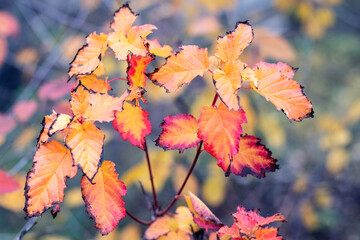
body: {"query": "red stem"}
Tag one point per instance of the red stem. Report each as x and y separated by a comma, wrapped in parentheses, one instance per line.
(119, 78)
(211, 71)
(108, 53)
(245, 87)
(151, 176)
(215, 99)
(186, 179)
(137, 219)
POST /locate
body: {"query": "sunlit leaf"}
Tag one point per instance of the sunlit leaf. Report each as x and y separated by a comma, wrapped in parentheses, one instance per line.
(60, 123)
(80, 98)
(47, 122)
(103, 106)
(133, 124)
(91, 82)
(179, 132)
(89, 56)
(86, 141)
(103, 198)
(137, 68)
(45, 184)
(220, 129)
(158, 50)
(124, 18)
(181, 68)
(230, 46)
(202, 215)
(286, 94)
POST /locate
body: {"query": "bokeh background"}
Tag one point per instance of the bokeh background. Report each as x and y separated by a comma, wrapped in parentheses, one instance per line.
(317, 187)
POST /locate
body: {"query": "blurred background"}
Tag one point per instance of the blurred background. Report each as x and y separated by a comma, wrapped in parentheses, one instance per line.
(317, 187)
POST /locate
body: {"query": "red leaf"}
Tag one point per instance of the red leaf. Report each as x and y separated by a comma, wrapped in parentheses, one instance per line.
(253, 158)
(202, 215)
(7, 183)
(133, 124)
(45, 182)
(179, 132)
(103, 198)
(137, 68)
(220, 129)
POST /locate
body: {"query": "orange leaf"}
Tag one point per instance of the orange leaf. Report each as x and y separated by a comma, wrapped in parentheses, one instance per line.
(47, 123)
(230, 46)
(103, 199)
(102, 107)
(91, 82)
(89, 56)
(124, 18)
(179, 132)
(60, 123)
(86, 142)
(7, 183)
(250, 224)
(180, 68)
(133, 124)
(228, 82)
(137, 68)
(276, 85)
(220, 129)
(158, 50)
(253, 158)
(45, 183)
(79, 102)
(174, 227)
(202, 215)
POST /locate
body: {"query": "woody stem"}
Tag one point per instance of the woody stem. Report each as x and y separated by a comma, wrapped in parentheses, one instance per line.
(156, 204)
(119, 78)
(137, 219)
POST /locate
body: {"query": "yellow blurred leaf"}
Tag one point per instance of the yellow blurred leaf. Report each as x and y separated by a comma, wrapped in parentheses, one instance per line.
(308, 215)
(15, 201)
(273, 131)
(323, 197)
(71, 46)
(353, 115)
(161, 162)
(25, 138)
(285, 5)
(54, 237)
(178, 177)
(301, 183)
(208, 25)
(73, 198)
(325, 16)
(130, 231)
(214, 187)
(304, 11)
(218, 5)
(204, 98)
(249, 127)
(27, 57)
(337, 160)
(90, 4)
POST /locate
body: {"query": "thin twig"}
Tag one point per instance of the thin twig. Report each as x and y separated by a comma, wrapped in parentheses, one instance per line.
(156, 204)
(115, 79)
(215, 99)
(186, 179)
(29, 225)
(137, 219)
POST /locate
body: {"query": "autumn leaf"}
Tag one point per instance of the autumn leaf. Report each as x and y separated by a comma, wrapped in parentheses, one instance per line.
(103, 106)
(181, 68)
(252, 158)
(124, 18)
(220, 129)
(137, 68)
(89, 56)
(91, 82)
(86, 141)
(133, 124)
(79, 102)
(276, 85)
(228, 82)
(249, 224)
(103, 198)
(179, 132)
(45, 183)
(7, 183)
(60, 122)
(202, 215)
(177, 226)
(230, 46)
(47, 123)
(158, 50)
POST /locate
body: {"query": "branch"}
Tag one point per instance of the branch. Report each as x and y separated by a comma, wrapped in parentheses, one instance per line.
(119, 78)
(137, 219)
(151, 176)
(28, 226)
(184, 183)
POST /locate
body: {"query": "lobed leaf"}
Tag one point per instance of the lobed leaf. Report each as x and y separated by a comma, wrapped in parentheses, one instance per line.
(124, 18)
(228, 82)
(47, 122)
(86, 142)
(181, 68)
(7, 183)
(88, 57)
(202, 215)
(79, 102)
(103, 106)
(230, 46)
(137, 68)
(252, 158)
(179, 132)
(93, 83)
(103, 198)
(276, 85)
(220, 129)
(158, 50)
(133, 124)
(45, 183)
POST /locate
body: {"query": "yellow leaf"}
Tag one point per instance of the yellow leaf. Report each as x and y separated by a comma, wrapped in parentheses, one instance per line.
(308, 215)
(301, 183)
(214, 187)
(337, 160)
(273, 131)
(178, 177)
(323, 197)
